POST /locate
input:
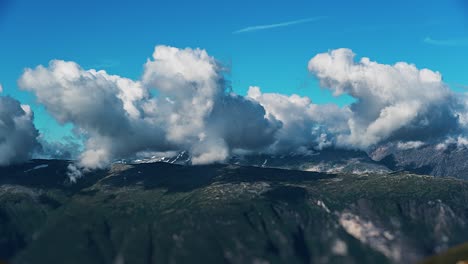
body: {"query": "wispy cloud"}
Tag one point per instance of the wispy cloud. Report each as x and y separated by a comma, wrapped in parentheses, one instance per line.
(277, 25)
(461, 42)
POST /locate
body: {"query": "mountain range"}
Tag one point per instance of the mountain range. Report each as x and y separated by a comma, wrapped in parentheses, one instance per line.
(161, 212)
(434, 160)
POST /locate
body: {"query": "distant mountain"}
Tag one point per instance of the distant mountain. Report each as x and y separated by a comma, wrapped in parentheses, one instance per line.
(428, 159)
(167, 213)
(327, 160)
(181, 158)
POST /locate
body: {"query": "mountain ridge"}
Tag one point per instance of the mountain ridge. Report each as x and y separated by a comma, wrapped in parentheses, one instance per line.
(162, 212)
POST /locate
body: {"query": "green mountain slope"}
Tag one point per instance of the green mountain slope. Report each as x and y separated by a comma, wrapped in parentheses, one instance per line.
(164, 213)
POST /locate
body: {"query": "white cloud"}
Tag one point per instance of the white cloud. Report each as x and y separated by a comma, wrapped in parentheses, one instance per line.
(209, 150)
(119, 118)
(192, 82)
(277, 25)
(73, 173)
(18, 136)
(200, 115)
(104, 109)
(305, 125)
(410, 145)
(392, 101)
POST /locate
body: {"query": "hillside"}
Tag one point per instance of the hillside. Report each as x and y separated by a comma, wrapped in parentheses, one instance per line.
(165, 213)
(427, 159)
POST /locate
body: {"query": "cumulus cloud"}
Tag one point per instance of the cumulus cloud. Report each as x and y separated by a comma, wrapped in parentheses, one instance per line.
(199, 114)
(18, 136)
(191, 82)
(182, 103)
(393, 102)
(305, 125)
(119, 117)
(243, 123)
(103, 108)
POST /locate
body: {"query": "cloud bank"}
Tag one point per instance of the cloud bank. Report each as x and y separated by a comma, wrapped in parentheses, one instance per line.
(18, 136)
(306, 125)
(119, 117)
(182, 102)
(393, 102)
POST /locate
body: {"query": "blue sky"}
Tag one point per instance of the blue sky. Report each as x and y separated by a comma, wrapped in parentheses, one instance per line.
(119, 37)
